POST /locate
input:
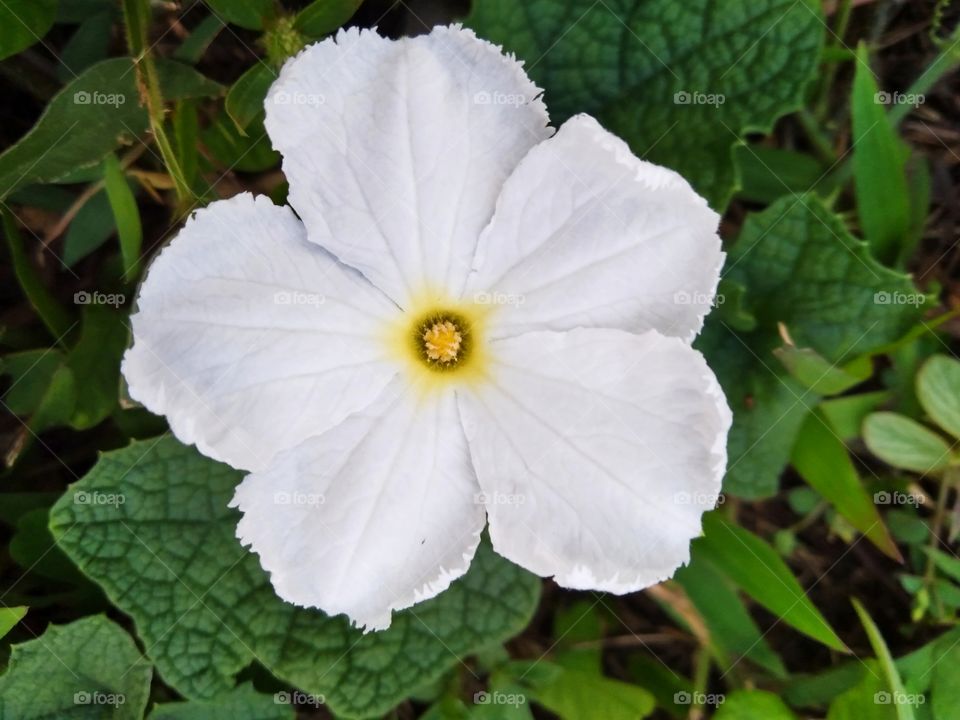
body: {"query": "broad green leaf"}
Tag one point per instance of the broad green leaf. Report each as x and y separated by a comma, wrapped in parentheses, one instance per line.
(168, 557)
(9, 617)
(845, 415)
(240, 703)
(54, 317)
(322, 17)
(245, 99)
(823, 461)
(250, 14)
(905, 443)
(126, 215)
(804, 270)
(574, 694)
(95, 361)
(90, 228)
(681, 82)
(938, 389)
(87, 669)
(816, 373)
(879, 168)
(760, 572)
(89, 118)
(885, 660)
(23, 23)
(32, 547)
(748, 704)
(730, 626)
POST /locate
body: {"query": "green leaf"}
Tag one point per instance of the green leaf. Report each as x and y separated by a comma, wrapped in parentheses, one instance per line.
(744, 704)
(905, 443)
(240, 703)
(89, 118)
(9, 617)
(322, 17)
(805, 271)
(879, 167)
(90, 228)
(892, 675)
(845, 415)
(250, 14)
(680, 82)
(95, 361)
(823, 461)
(731, 627)
(768, 173)
(31, 372)
(938, 389)
(575, 694)
(867, 700)
(89, 44)
(56, 319)
(248, 153)
(944, 688)
(816, 373)
(126, 215)
(87, 669)
(199, 40)
(24, 22)
(245, 99)
(168, 557)
(760, 572)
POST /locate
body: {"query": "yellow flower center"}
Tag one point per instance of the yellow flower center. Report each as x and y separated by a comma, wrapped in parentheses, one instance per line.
(442, 341)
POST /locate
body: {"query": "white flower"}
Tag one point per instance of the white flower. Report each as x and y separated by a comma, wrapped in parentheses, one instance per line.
(491, 334)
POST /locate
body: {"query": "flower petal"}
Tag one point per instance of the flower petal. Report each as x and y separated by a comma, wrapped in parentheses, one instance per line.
(396, 150)
(597, 452)
(586, 234)
(250, 339)
(374, 515)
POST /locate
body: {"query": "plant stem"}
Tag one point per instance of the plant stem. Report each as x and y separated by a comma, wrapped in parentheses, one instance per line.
(136, 15)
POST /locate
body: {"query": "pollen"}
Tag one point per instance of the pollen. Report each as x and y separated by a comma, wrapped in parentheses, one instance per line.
(442, 341)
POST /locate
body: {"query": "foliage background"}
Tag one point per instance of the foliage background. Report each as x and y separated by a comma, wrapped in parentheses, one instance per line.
(826, 583)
